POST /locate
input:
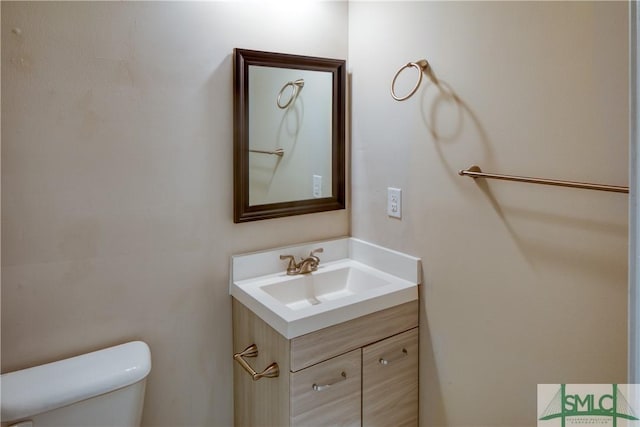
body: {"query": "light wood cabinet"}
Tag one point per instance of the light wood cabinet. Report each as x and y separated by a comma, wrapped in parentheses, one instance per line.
(390, 381)
(363, 372)
(328, 393)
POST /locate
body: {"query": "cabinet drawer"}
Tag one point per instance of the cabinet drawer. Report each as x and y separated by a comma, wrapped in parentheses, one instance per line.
(390, 381)
(315, 347)
(328, 393)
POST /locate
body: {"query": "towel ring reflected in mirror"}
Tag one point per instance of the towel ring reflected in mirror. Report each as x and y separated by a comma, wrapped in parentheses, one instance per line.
(296, 87)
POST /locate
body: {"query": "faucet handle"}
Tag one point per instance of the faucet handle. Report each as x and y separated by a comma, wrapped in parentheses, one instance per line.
(291, 267)
(315, 260)
(316, 251)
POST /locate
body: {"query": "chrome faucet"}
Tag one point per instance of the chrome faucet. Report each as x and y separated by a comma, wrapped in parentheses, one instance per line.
(305, 266)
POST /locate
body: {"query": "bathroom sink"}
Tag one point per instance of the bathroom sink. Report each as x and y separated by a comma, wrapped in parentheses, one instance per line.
(327, 284)
(340, 290)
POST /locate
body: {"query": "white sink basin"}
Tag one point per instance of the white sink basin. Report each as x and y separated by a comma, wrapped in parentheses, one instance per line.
(339, 291)
(339, 281)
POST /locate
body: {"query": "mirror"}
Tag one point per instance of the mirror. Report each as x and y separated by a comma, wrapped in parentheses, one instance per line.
(289, 135)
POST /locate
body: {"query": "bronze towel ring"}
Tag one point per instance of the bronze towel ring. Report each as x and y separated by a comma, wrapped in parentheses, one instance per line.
(422, 66)
(297, 86)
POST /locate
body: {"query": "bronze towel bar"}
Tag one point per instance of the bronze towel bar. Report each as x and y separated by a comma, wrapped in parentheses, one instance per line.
(475, 172)
(277, 152)
(271, 371)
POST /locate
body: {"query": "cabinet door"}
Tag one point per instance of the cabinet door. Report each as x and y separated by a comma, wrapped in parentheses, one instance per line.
(329, 393)
(390, 381)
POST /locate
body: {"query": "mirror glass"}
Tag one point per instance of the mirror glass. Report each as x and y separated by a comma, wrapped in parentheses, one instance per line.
(289, 135)
(299, 134)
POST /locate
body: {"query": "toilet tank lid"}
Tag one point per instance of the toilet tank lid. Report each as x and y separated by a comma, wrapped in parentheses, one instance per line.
(46, 387)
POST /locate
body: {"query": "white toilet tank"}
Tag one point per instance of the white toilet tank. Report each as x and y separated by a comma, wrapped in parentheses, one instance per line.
(103, 388)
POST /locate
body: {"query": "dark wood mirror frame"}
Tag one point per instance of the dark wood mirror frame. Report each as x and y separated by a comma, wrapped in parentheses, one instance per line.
(242, 210)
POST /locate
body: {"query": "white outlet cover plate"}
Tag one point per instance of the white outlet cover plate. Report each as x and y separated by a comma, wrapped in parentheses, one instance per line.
(394, 202)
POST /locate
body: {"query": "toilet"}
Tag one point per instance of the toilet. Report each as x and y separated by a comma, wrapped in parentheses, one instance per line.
(103, 388)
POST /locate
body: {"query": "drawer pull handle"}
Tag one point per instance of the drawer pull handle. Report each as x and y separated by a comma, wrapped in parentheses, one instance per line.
(270, 371)
(343, 377)
(386, 361)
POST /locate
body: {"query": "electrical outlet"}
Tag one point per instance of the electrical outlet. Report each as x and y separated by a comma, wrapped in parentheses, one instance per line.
(317, 186)
(394, 202)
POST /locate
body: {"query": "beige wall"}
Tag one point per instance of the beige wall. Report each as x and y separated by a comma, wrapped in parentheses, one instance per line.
(117, 184)
(523, 284)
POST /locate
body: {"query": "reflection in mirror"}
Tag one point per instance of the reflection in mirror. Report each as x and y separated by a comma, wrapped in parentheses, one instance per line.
(301, 131)
(289, 135)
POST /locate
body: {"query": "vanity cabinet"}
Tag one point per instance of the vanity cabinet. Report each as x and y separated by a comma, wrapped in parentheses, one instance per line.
(362, 372)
